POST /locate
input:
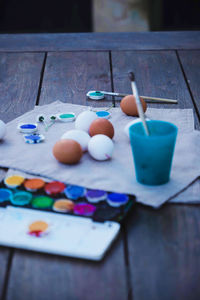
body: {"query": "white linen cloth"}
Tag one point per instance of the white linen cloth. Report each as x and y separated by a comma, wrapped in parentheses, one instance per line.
(115, 175)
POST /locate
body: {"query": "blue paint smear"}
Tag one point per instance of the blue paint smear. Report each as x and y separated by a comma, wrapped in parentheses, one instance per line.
(33, 137)
(28, 126)
(102, 113)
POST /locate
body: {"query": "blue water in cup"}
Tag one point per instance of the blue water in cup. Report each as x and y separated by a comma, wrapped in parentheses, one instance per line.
(153, 154)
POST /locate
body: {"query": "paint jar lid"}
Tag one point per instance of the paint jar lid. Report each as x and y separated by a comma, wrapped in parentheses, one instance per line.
(21, 198)
(74, 192)
(95, 196)
(13, 181)
(66, 117)
(95, 95)
(103, 114)
(42, 202)
(117, 199)
(34, 184)
(27, 127)
(5, 195)
(54, 187)
(63, 205)
(84, 209)
(33, 138)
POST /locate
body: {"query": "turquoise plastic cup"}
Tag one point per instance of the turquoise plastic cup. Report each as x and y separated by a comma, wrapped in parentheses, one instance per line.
(153, 154)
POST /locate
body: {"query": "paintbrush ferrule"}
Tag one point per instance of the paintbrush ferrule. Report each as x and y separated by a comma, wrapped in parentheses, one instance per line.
(131, 76)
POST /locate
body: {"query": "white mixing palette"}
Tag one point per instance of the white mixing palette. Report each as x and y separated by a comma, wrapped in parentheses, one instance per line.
(68, 235)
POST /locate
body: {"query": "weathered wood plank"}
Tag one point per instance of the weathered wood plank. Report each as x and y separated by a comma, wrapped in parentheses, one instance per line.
(163, 245)
(19, 82)
(164, 251)
(100, 41)
(191, 65)
(157, 74)
(69, 76)
(4, 256)
(46, 277)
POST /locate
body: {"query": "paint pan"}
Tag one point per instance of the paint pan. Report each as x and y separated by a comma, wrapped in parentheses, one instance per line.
(95, 196)
(42, 202)
(63, 205)
(13, 181)
(84, 209)
(5, 195)
(117, 199)
(74, 192)
(21, 198)
(34, 184)
(54, 187)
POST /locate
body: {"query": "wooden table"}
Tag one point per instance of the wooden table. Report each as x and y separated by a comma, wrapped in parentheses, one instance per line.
(157, 255)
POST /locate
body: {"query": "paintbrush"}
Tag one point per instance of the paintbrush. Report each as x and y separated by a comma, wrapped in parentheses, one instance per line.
(146, 98)
(138, 103)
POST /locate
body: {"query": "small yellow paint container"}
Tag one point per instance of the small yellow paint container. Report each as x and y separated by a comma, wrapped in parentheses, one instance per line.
(13, 181)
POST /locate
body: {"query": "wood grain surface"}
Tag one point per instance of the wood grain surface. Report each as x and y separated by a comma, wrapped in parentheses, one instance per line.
(100, 41)
(163, 244)
(4, 258)
(45, 277)
(154, 73)
(164, 251)
(69, 76)
(19, 82)
(191, 66)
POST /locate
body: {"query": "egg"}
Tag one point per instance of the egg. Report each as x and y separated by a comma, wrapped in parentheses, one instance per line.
(100, 147)
(2, 129)
(129, 107)
(79, 136)
(126, 128)
(67, 151)
(101, 126)
(84, 120)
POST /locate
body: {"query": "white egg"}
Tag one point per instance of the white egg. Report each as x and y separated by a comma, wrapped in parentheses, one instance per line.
(2, 129)
(79, 136)
(84, 120)
(100, 147)
(126, 128)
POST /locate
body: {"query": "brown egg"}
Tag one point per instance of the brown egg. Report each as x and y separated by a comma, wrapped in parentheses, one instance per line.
(67, 151)
(129, 107)
(101, 126)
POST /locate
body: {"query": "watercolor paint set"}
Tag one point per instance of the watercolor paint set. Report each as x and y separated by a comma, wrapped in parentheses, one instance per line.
(53, 217)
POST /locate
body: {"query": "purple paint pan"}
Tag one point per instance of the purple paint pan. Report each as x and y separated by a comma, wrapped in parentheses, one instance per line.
(95, 196)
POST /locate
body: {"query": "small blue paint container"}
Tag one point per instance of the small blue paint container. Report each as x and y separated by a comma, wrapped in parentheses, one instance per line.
(74, 192)
(27, 127)
(117, 199)
(103, 114)
(5, 195)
